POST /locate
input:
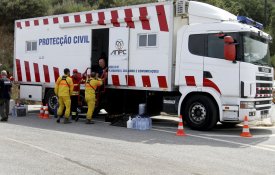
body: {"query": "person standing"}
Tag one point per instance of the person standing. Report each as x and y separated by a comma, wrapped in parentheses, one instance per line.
(5, 95)
(90, 89)
(103, 71)
(103, 75)
(63, 89)
(75, 94)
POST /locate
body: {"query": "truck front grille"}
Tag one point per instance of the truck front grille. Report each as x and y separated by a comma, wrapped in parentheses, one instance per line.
(263, 90)
(263, 108)
(260, 78)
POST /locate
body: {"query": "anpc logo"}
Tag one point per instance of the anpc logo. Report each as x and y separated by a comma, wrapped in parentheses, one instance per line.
(119, 48)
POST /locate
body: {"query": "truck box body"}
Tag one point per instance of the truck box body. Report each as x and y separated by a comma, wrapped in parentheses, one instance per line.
(137, 40)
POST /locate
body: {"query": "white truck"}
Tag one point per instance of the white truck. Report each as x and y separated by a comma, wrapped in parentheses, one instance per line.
(182, 57)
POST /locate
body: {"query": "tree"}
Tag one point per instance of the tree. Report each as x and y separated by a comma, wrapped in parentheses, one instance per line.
(68, 6)
(272, 32)
(21, 9)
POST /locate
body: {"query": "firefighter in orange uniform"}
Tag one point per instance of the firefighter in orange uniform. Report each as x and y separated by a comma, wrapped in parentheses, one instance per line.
(63, 89)
(75, 94)
(90, 89)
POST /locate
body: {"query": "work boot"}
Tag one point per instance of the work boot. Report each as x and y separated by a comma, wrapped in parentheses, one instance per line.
(88, 121)
(58, 120)
(67, 121)
(73, 117)
(4, 119)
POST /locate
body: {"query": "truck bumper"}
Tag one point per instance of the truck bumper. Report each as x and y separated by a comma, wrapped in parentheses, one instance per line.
(254, 114)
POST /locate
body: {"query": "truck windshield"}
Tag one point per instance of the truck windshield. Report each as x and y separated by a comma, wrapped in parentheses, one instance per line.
(256, 50)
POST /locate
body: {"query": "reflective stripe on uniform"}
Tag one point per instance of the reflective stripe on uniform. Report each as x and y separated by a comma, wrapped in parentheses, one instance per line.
(75, 93)
(63, 84)
(91, 87)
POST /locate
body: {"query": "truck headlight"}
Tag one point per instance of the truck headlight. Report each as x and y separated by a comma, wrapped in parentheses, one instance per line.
(247, 105)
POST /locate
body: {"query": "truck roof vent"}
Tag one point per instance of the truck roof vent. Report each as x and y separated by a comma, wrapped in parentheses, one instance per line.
(180, 7)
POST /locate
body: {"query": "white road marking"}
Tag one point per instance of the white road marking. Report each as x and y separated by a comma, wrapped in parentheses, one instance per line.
(55, 154)
(221, 135)
(221, 140)
(33, 146)
(202, 137)
(271, 146)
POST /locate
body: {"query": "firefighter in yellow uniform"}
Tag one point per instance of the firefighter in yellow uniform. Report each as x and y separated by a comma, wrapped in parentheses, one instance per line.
(63, 89)
(90, 89)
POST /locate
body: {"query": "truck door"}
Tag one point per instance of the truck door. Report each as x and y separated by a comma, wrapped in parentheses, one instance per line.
(219, 73)
(118, 56)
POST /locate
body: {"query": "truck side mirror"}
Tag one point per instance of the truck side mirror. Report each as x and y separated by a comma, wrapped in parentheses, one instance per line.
(229, 48)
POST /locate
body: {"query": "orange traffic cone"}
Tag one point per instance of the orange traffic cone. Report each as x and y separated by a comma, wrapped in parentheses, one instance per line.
(180, 131)
(41, 114)
(46, 113)
(246, 132)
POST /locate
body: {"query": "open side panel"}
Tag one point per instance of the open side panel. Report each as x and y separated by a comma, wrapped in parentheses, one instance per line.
(100, 46)
(31, 92)
(118, 57)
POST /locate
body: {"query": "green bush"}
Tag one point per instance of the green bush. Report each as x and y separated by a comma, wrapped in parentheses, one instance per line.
(21, 9)
(68, 7)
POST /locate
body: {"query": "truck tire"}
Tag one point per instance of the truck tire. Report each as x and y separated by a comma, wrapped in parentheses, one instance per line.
(52, 100)
(200, 113)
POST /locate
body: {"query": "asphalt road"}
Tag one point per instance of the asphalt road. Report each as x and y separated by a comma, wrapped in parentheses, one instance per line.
(32, 146)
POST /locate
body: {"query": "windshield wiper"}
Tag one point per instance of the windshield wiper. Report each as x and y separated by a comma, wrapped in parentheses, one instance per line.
(259, 63)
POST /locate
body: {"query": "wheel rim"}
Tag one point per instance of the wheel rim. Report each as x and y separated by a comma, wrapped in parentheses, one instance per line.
(197, 113)
(52, 102)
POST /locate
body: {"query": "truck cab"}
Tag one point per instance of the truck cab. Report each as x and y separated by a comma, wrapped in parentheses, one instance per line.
(223, 68)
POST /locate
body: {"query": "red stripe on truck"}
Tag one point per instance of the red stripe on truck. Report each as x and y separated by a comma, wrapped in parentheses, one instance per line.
(18, 25)
(18, 69)
(143, 18)
(115, 80)
(46, 73)
(36, 22)
(66, 19)
(114, 19)
(89, 18)
(45, 21)
(55, 20)
(146, 81)
(128, 18)
(209, 83)
(28, 73)
(162, 18)
(101, 18)
(190, 81)
(77, 18)
(130, 79)
(27, 23)
(162, 82)
(56, 73)
(36, 72)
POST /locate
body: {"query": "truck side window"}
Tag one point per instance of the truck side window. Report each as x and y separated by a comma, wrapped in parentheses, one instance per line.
(31, 46)
(196, 44)
(147, 40)
(215, 46)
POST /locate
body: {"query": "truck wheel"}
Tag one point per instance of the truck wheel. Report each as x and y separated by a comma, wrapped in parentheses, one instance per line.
(200, 113)
(52, 100)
